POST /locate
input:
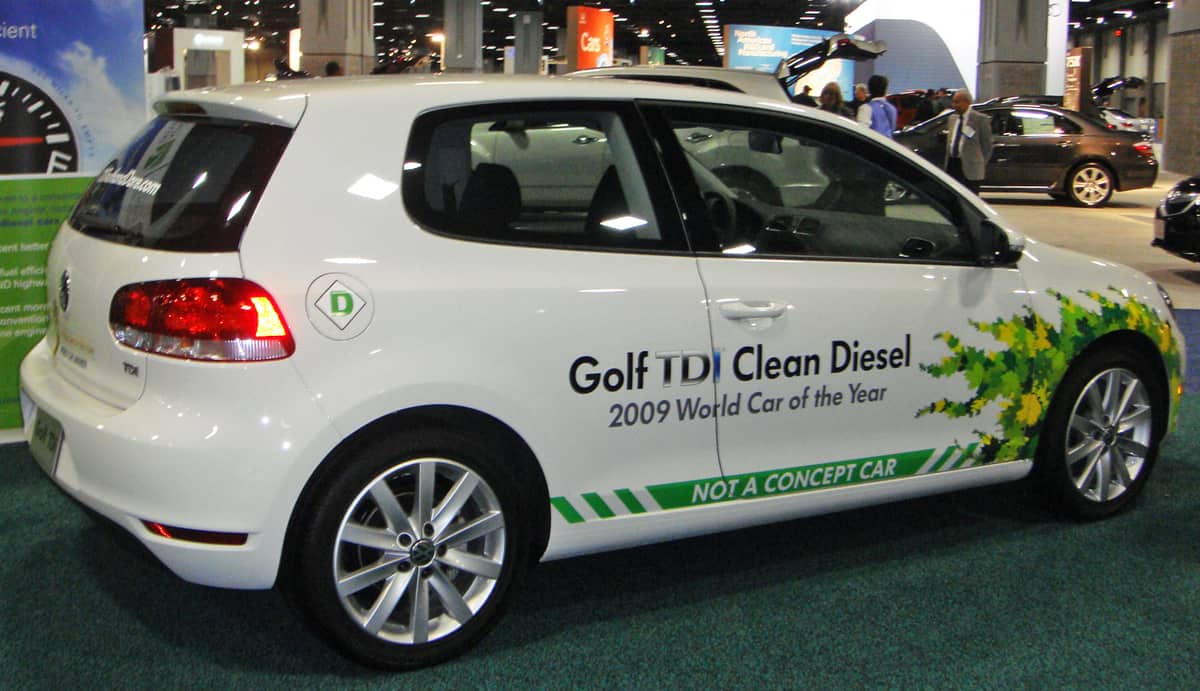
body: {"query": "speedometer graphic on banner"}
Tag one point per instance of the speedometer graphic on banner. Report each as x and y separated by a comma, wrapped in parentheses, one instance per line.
(35, 134)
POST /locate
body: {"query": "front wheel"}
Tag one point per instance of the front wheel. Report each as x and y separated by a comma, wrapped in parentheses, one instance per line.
(1102, 433)
(411, 549)
(1090, 185)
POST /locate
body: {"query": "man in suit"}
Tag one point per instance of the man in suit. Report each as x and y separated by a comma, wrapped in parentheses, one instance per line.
(968, 142)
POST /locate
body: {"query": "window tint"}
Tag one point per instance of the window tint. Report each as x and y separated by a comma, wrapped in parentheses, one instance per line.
(550, 177)
(778, 188)
(183, 185)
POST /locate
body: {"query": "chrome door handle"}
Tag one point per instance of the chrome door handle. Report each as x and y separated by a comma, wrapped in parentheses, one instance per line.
(752, 309)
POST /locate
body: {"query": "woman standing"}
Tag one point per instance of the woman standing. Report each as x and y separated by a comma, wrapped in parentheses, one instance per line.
(831, 101)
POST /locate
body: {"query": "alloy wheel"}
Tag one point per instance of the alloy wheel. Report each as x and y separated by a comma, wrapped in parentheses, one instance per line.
(1091, 185)
(419, 552)
(1109, 436)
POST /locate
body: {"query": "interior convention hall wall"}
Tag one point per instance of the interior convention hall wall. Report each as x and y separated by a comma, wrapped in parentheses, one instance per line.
(72, 91)
(935, 43)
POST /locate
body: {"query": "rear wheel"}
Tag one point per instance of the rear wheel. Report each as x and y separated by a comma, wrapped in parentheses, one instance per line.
(410, 552)
(1102, 433)
(1090, 184)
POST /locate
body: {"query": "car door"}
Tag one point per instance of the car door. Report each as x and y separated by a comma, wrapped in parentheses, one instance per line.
(831, 318)
(1034, 150)
(580, 300)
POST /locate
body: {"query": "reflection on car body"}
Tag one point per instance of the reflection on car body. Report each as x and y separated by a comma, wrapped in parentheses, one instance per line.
(1041, 148)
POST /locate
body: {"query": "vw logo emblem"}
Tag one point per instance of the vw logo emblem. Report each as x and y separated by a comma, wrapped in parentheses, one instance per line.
(422, 553)
(64, 290)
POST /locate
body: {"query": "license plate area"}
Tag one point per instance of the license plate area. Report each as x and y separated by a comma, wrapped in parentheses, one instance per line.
(1160, 228)
(45, 441)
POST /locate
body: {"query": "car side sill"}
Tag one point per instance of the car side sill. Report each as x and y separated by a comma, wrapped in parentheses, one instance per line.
(617, 532)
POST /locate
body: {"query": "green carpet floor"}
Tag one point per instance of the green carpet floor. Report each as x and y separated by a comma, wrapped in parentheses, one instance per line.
(977, 589)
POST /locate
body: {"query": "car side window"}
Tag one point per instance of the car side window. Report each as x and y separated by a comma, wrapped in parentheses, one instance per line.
(549, 177)
(1033, 122)
(771, 188)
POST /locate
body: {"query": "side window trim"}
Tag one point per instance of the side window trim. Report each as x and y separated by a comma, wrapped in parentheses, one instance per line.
(673, 240)
(703, 237)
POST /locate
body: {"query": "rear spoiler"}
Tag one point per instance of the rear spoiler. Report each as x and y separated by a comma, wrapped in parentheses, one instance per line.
(283, 107)
(836, 47)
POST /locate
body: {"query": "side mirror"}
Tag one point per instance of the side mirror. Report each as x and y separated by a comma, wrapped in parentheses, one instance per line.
(996, 248)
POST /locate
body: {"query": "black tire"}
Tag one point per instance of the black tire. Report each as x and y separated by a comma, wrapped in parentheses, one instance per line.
(343, 513)
(1085, 428)
(1090, 184)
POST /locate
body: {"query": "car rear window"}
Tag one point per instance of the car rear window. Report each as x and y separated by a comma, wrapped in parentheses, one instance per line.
(183, 184)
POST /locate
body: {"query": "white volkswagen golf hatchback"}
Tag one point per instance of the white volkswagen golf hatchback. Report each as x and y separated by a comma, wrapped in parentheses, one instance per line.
(387, 341)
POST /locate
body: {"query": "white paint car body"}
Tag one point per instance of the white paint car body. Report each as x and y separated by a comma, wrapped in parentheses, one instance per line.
(497, 328)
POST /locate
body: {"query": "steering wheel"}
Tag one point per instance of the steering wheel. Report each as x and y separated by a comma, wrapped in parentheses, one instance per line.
(718, 202)
(722, 213)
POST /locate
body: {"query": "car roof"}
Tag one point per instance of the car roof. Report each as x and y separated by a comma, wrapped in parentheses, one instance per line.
(284, 102)
(762, 84)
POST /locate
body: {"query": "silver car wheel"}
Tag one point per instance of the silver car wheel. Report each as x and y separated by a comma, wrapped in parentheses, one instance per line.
(1091, 185)
(419, 551)
(1109, 435)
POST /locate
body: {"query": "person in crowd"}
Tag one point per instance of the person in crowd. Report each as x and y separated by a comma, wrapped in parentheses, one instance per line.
(943, 99)
(860, 97)
(805, 98)
(333, 69)
(877, 113)
(968, 142)
(925, 107)
(831, 101)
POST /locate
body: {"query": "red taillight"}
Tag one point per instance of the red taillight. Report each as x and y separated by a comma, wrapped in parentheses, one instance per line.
(221, 319)
(1144, 148)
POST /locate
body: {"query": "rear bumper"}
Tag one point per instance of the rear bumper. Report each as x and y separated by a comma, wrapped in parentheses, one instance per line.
(1137, 176)
(218, 461)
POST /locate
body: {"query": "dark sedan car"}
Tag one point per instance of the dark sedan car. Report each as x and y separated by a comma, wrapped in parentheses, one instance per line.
(1041, 148)
(1177, 220)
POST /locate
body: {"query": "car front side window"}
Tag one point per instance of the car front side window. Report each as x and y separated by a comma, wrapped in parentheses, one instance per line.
(781, 188)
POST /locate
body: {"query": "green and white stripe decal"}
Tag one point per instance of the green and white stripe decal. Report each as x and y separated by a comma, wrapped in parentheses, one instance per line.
(593, 506)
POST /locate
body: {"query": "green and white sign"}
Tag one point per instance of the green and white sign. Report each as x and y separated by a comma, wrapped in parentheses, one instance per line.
(339, 306)
(72, 91)
(31, 209)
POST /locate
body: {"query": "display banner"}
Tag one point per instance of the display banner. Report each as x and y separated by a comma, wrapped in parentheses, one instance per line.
(72, 91)
(652, 55)
(591, 30)
(762, 47)
(1079, 73)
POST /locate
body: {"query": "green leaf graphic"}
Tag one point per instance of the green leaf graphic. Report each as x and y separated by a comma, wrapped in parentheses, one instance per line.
(1022, 376)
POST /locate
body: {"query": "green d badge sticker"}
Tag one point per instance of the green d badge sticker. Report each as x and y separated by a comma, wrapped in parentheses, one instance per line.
(339, 306)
